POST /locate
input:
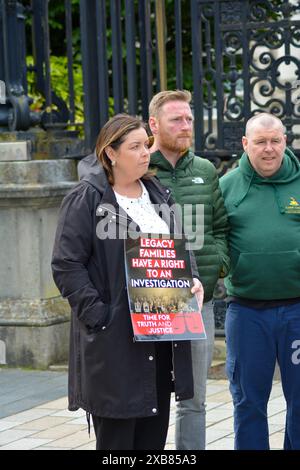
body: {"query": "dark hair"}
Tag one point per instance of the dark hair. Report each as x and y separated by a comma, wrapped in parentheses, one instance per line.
(113, 134)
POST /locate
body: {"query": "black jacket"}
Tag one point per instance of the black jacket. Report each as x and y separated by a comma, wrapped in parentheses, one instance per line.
(110, 375)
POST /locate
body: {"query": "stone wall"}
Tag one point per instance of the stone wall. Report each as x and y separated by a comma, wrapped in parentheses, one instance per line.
(34, 319)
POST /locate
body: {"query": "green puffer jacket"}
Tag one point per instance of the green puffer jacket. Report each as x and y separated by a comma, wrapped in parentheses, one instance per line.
(194, 181)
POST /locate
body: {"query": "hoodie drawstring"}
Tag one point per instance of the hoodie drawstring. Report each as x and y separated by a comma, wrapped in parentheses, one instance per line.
(238, 202)
(277, 195)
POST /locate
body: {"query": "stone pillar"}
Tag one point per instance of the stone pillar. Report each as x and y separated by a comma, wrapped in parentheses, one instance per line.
(34, 319)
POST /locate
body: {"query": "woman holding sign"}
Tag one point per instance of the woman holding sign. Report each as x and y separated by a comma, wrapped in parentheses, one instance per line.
(124, 385)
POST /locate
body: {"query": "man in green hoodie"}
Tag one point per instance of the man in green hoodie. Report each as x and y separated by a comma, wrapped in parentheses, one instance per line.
(195, 187)
(262, 197)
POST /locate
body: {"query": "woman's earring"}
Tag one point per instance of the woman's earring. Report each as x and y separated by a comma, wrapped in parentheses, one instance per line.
(113, 162)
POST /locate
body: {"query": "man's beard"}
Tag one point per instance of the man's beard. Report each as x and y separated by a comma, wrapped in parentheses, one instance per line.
(176, 145)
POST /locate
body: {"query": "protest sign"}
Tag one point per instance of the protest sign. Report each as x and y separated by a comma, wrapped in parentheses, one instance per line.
(159, 282)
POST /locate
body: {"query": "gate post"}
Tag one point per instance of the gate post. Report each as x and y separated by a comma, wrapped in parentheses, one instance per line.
(34, 319)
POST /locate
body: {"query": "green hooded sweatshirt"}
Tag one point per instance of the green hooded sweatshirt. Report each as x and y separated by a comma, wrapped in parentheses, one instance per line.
(194, 181)
(264, 239)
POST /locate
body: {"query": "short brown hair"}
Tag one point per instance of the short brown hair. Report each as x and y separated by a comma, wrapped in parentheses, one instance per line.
(163, 97)
(113, 134)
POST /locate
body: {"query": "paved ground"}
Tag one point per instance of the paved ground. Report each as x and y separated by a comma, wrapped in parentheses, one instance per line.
(34, 415)
(21, 389)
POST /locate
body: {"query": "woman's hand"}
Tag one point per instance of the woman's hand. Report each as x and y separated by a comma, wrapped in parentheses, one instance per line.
(198, 290)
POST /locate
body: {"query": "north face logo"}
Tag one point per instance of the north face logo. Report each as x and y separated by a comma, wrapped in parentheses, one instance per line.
(198, 180)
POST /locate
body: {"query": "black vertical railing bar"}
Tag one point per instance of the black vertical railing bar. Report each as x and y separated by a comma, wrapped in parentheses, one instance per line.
(22, 45)
(89, 72)
(38, 44)
(2, 68)
(103, 93)
(69, 29)
(287, 46)
(13, 77)
(157, 85)
(131, 56)
(48, 98)
(117, 59)
(42, 67)
(197, 74)
(5, 49)
(146, 55)
(210, 72)
(246, 61)
(218, 77)
(288, 96)
(11, 35)
(178, 42)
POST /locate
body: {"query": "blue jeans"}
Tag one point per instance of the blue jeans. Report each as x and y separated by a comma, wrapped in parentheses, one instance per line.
(256, 338)
(190, 414)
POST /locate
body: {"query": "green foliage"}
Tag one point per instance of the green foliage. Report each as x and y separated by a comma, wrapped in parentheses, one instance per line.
(59, 75)
(56, 15)
(37, 98)
(60, 85)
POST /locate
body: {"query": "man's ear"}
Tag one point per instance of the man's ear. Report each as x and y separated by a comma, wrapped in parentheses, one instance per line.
(153, 125)
(245, 143)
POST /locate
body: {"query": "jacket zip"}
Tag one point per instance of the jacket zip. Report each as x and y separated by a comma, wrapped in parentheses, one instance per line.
(114, 213)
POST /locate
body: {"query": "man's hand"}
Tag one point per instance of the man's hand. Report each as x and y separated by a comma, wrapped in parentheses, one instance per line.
(198, 290)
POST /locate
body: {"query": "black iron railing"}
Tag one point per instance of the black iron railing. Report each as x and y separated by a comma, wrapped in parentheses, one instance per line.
(244, 54)
(246, 59)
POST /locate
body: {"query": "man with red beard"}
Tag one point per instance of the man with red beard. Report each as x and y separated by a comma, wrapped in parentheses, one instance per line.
(194, 185)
